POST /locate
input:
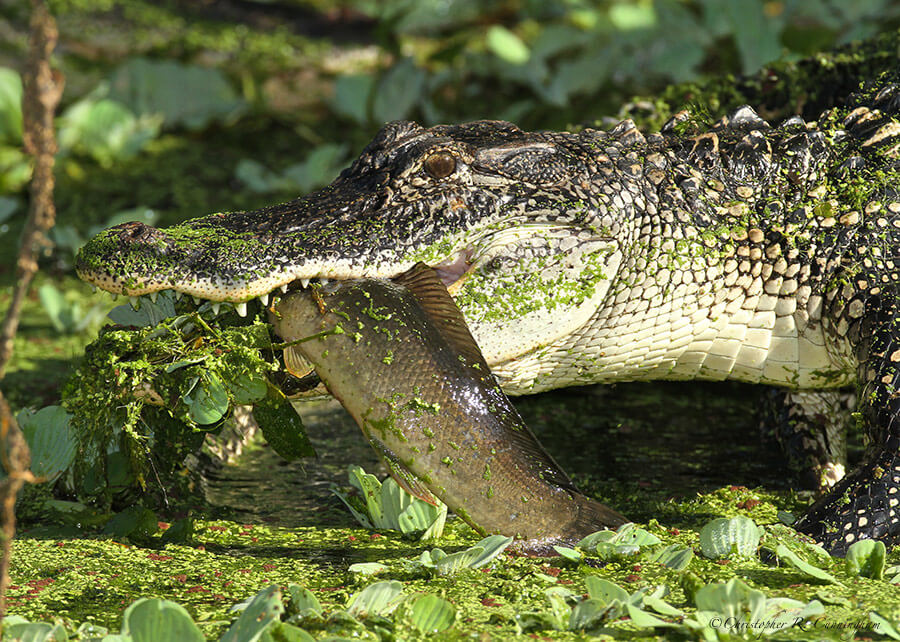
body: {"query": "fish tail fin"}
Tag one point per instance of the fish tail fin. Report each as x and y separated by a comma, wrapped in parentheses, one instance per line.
(592, 517)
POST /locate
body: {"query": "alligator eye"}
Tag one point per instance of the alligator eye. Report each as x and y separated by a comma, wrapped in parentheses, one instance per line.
(440, 165)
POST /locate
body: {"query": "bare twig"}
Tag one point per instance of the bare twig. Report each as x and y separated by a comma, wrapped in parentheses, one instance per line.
(43, 89)
(16, 461)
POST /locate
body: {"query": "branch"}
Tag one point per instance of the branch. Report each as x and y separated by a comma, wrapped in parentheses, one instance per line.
(43, 89)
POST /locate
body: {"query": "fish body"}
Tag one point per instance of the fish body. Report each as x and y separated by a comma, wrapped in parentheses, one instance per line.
(402, 362)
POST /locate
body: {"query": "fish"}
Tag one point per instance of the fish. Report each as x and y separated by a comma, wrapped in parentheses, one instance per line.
(400, 358)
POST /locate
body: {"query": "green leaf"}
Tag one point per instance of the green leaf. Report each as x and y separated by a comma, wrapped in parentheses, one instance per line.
(135, 522)
(399, 89)
(261, 612)
(605, 591)
(302, 601)
(351, 96)
(376, 599)
(367, 568)
(152, 620)
(34, 632)
(644, 620)
(727, 537)
(569, 553)
(734, 599)
(207, 401)
(181, 531)
(884, 626)
(866, 558)
(792, 559)
(8, 207)
(282, 427)
(148, 313)
(51, 440)
(10, 107)
(105, 130)
(432, 614)
(180, 94)
(628, 17)
(674, 556)
(507, 46)
(591, 612)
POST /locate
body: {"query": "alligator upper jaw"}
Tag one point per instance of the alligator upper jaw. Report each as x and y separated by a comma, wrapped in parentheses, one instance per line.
(451, 270)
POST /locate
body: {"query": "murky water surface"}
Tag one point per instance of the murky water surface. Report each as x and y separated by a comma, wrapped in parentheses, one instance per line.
(667, 439)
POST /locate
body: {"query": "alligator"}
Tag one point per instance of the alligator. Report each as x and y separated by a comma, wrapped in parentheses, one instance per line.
(738, 250)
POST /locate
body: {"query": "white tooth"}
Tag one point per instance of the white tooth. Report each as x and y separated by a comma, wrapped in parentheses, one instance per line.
(324, 281)
(93, 288)
(196, 300)
(178, 295)
(135, 302)
(154, 296)
(241, 309)
(114, 296)
(264, 299)
(304, 282)
(284, 287)
(216, 306)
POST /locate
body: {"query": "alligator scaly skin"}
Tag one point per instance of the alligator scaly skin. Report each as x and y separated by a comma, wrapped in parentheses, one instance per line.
(742, 251)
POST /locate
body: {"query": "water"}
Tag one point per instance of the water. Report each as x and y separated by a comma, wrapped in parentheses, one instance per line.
(663, 439)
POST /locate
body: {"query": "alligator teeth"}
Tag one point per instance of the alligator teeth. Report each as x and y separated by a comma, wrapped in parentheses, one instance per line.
(135, 302)
(196, 299)
(284, 287)
(241, 309)
(264, 299)
(304, 282)
(324, 281)
(93, 288)
(178, 295)
(216, 307)
(114, 296)
(154, 296)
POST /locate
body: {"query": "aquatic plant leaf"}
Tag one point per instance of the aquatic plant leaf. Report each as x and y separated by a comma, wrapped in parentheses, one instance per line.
(432, 614)
(604, 590)
(674, 556)
(302, 600)
(351, 96)
(792, 559)
(642, 619)
(661, 606)
(34, 632)
(491, 547)
(536, 621)
(207, 402)
(285, 632)
(399, 89)
(455, 562)
(134, 522)
(149, 313)
(380, 598)
(592, 612)
(263, 610)
(725, 537)
(51, 439)
(281, 426)
(156, 88)
(732, 599)
(10, 106)
(370, 488)
(367, 568)
(866, 558)
(568, 553)
(105, 130)
(884, 626)
(153, 619)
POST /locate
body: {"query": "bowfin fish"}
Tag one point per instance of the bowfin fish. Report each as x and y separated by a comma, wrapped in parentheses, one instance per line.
(400, 358)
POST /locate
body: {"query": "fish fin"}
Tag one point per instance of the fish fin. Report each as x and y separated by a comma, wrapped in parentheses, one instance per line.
(403, 476)
(594, 516)
(431, 293)
(296, 363)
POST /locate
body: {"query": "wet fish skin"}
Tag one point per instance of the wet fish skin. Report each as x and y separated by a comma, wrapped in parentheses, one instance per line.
(403, 364)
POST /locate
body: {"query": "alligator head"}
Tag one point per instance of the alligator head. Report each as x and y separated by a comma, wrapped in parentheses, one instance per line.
(503, 215)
